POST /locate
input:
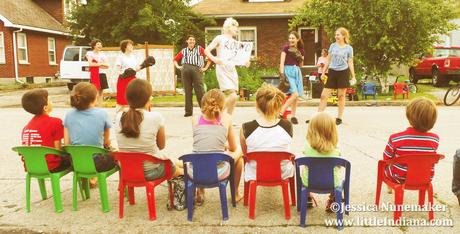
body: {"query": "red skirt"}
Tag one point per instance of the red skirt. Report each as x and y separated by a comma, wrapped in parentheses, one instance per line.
(122, 84)
(94, 77)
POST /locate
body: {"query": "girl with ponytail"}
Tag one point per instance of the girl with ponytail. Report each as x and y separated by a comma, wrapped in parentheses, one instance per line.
(142, 130)
(213, 133)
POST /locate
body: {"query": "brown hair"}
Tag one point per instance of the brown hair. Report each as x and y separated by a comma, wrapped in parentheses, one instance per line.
(190, 35)
(212, 103)
(345, 34)
(300, 42)
(94, 42)
(34, 101)
(422, 114)
(124, 44)
(269, 100)
(322, 133)
(138, 94)
(83, 94)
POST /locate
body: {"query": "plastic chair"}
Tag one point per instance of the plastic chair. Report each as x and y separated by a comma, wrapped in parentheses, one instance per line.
(34, 159)
(205, 176)
(368, 88)
(268, 173)
(401, 88)
(84, 168)
(418, 177)
(321, 180)
(132, 175)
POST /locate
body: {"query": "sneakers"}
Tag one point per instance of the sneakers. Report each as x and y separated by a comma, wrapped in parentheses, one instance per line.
(328, 204)
(187, 114)
(294, 120)
(338, 121)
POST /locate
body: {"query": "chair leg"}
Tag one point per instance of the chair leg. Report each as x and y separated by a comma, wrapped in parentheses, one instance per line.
(252, 199)
(74, 191)
(292, 188)
(190, 198)
(346, 193)
(27, 192)
(378, 190)
(399, 195)
(246, 193)
(303, 206)
(223, 200)
(232, 189)
(131, 198)
(85, 183)
(421, 197)
(151, 202)
(338, 200)
(80, 186)
(41, 184)
(121, 199)
(171, 195)
(430, 202)
(56, 186)
(287, 208)
(102, 184)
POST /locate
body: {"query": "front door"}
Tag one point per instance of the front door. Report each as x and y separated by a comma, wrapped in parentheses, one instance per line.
(310, 38)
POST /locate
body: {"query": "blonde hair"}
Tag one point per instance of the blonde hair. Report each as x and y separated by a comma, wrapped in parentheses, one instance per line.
(229, 22)
(322, 133)
(269, 100)
(212, 103)
(345, 34)
(422, 114)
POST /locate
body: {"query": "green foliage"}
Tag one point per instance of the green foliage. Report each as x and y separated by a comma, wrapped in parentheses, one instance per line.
(154, 21)
(383, 32)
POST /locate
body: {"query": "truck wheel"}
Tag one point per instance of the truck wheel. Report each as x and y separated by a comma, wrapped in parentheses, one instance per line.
(437, 79)
(412, 76)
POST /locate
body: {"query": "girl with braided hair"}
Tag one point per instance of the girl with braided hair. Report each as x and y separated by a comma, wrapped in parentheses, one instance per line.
(213, 133)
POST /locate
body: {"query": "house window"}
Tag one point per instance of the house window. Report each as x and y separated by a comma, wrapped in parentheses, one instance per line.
(22, 48)
(2, 49)
(246, 34)
(52, 50)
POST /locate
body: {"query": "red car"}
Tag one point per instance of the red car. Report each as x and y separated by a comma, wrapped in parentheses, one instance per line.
(441, 67)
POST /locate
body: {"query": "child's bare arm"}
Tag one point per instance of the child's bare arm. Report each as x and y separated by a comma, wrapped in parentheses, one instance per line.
(161, 138)
(107, 138)
(66, 137)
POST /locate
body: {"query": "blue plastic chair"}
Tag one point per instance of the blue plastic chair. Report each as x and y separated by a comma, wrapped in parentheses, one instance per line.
(205, 176)
(368, 88)
(321, 180)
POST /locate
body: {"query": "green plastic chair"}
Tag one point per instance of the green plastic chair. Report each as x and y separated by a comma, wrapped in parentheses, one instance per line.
(84, 168)
(34, 158)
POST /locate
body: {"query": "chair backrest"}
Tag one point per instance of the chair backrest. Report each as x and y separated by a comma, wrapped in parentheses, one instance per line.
(205, 166)
(34, 158)
(268, 164)
(401, 87)
(369, 88)
(321, 171)
(82, 157)
(418, 167)
(132, 165)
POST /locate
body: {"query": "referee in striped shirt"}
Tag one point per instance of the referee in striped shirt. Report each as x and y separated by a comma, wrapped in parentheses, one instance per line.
(192, 60)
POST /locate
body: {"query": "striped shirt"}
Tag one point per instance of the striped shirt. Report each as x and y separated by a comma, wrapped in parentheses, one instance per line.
(193, 56)
(410, 141)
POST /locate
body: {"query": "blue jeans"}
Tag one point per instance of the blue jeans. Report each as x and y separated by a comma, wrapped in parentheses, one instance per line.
(294, 77)
(456, 174)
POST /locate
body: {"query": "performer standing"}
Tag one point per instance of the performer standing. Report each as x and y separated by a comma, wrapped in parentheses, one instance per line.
(192, 60)
(226, 72)
(97, 62)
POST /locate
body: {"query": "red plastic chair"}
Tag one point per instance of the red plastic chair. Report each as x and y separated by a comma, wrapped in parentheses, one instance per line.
(132, 175)
(268, 173)
(401, 88)
(418, 177)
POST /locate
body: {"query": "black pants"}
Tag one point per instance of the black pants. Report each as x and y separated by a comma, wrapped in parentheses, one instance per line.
(192, 78)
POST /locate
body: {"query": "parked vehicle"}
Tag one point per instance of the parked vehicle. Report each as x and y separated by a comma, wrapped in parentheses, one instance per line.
(441, 67)
(74, 66)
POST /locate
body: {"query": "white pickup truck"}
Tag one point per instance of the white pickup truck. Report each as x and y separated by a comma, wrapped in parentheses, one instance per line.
(74, 66)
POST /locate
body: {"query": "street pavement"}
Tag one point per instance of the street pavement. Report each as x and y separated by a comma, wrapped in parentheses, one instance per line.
(362, 138)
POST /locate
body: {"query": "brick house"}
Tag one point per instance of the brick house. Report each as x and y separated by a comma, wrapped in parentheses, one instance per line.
(264, 22)
(36, 28)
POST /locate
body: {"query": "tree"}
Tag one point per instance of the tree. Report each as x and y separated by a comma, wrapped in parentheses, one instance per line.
(155, 21)
(383, 32)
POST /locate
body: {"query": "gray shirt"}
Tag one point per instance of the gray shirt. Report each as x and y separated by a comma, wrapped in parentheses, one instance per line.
(340, 56)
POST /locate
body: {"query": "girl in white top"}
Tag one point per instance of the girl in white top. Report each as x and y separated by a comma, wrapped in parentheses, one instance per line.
(267, 132)
(124, 62)
(97, 62)
(225, 71)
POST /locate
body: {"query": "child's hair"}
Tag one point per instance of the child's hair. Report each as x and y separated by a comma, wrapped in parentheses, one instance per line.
(322, 133)
(34, 101)
(124, 44)
(300, 42)
(94, 42)
(345, 34)
(83, 94)
(269, 100)
(212, 103)
(324, 50)
(188, 37)
(138, 94)
(422, 114)
(229, 22)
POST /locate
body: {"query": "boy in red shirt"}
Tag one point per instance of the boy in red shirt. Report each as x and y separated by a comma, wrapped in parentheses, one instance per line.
(43, 130)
